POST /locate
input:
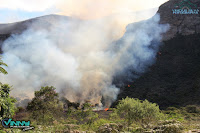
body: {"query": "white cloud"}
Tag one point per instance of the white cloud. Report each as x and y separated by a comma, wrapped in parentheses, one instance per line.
(83, 8)
(27, 5)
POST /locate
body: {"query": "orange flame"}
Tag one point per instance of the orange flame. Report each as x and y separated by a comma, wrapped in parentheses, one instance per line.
(106, 109)
(129, 85)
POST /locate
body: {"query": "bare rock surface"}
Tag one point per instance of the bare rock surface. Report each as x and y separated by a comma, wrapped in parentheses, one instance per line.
(184, 24)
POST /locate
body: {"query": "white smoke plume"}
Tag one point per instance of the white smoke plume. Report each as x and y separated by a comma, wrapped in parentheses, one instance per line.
(85, 9)
(79, 57)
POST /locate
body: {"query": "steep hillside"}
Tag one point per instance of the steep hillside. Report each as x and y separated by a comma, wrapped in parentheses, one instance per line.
(174, 80)
(175, 77)
(44, 22)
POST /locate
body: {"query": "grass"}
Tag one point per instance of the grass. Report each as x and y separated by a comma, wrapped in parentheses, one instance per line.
(176, 120)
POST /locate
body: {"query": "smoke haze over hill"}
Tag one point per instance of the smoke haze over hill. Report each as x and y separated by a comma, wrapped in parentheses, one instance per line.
(79, 57)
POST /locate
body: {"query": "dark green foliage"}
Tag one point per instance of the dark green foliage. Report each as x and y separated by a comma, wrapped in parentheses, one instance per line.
(192, 109)
(174, 113)
(45, 105)
(7, 107)
(188, 112)
(2, 70)
(84, 115)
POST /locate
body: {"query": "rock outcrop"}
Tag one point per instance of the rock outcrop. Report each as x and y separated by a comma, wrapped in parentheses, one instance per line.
(180, 23)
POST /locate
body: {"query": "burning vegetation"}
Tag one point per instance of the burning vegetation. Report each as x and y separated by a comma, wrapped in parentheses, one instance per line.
(47, 108)
(106, 109)
(81, 68)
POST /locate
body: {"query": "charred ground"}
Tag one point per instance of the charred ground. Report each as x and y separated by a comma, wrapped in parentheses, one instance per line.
(174, 80)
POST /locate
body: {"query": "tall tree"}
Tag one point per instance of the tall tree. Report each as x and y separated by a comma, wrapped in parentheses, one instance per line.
(6, 102)
(45, 106)
(7, 106)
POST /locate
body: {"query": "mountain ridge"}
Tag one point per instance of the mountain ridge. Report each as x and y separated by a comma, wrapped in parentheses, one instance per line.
(19, 27)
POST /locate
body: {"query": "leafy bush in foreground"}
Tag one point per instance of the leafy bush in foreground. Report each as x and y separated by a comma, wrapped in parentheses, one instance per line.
(135, 110)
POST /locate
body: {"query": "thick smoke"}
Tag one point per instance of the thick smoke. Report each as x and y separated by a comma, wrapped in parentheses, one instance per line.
(79, 57)
(137, 49)
(85, 9)
(93, 9)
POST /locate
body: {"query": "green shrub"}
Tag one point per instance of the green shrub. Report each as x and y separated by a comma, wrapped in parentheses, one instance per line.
(174, 113)
(192, 109)
(136, 110)
(85, 117)
(99, 123)
(1, 131)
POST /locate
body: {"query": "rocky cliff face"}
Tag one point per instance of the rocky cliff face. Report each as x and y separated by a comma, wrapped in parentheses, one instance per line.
(180, 23)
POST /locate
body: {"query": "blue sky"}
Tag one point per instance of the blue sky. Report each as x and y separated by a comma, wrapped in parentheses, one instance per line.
(10, 15)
